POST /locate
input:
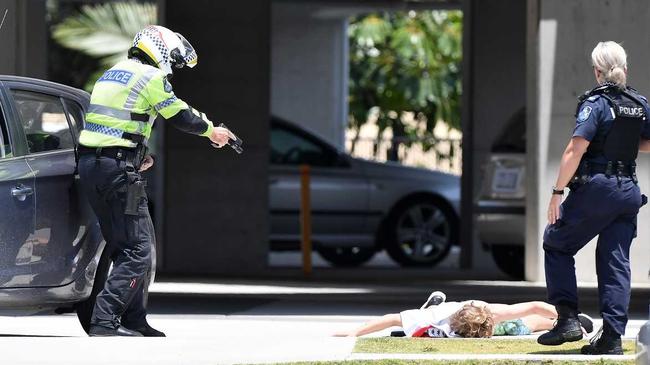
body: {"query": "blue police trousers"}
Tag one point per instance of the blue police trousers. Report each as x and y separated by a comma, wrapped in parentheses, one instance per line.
(600, 207)
(129, 239)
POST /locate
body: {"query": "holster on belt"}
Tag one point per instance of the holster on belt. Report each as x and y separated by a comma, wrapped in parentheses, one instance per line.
(581, 176)
(136, 185)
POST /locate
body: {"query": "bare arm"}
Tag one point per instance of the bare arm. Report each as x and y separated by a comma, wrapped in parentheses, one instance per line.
(570, 160)
(505, 312)
(374, 325)
(568, 166)
(644, 145)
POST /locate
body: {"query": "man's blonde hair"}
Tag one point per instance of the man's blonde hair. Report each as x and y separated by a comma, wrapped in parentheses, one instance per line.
(472, 321)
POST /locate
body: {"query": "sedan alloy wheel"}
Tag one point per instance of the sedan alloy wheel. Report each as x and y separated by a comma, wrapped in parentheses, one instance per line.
(421, 234)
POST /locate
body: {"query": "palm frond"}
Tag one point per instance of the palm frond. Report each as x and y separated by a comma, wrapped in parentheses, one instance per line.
(104, 31)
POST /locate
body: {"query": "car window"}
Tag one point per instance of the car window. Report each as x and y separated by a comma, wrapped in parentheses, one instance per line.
(75, 115)
(5, 146)
(290, 148)
(43, 120)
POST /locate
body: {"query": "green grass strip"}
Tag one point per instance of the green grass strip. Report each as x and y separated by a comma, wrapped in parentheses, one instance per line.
(388, 345)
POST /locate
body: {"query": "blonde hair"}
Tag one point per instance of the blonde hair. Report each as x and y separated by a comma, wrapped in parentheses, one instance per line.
(472, 321)
(611, 60)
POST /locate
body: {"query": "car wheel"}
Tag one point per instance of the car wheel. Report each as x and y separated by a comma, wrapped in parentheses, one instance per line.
(85, 309)
(346, 256)
(420, 232)
(510, 259)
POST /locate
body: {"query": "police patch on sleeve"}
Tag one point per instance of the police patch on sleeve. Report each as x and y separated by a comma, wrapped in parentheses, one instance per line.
(584, 114)
(167, 86)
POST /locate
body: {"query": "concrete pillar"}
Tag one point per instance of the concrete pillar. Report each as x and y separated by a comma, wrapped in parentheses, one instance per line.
(23, 38)
(309, 68)
(560, 42)
(216, 202)
(495, 49)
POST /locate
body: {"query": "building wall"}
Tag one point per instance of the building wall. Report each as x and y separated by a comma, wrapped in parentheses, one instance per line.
(216, 202)
(309, 69)
(561, 42)
(23, 38)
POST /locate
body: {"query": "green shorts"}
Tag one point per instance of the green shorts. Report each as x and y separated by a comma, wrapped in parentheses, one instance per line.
(511, 328)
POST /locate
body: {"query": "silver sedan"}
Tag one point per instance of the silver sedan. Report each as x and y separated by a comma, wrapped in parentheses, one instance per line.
(359, 207)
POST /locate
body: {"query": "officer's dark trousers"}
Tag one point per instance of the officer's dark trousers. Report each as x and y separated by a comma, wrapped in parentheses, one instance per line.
(599, 207)
(129, 239)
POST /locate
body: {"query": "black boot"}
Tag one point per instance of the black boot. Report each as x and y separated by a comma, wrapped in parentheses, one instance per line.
(605, 342)
(147, 331)
(567, 328)
(101, 331)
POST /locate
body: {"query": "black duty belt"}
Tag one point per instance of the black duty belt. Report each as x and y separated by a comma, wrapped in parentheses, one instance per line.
(612, 169)
(118, 153)
(617, 169)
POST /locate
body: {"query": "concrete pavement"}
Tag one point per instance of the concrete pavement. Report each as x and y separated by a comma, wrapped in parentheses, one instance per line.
(223, 323)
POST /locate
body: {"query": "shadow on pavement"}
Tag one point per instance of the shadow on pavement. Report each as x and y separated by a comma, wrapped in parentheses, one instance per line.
(378, 300)
(201, 304)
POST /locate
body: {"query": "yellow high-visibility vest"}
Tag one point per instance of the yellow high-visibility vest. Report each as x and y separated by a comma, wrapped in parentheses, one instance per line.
(124, 103)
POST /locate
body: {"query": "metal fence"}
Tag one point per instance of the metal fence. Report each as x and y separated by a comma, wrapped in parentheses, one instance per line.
(445, 155)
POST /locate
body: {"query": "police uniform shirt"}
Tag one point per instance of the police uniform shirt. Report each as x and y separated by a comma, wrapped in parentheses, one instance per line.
(596, 117)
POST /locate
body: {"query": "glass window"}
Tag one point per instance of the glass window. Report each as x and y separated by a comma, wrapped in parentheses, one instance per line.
(75, 114)
(44, 121)
(290, 148)
(5, 146)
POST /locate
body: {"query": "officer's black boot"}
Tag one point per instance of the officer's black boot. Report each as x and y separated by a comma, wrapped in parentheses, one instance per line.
(101, 331)
(606, 342)
(567, 328)
(147, 331)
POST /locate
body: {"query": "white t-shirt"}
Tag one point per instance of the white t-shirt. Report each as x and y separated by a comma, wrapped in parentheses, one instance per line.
(432, 321)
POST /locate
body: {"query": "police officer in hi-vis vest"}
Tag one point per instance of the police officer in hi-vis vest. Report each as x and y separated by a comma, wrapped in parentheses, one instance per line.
(599, 166)
(124, 103)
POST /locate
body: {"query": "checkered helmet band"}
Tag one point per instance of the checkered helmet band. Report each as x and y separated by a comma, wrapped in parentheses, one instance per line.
(158, 42)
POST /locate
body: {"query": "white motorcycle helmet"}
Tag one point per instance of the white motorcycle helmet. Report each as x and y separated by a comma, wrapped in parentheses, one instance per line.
(162, 48)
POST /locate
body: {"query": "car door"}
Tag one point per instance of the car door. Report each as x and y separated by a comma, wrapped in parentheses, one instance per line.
(17, 204)
(50, 154)
(339, 194)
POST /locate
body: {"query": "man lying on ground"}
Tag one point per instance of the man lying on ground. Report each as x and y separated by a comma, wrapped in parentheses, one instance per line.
(470, 318)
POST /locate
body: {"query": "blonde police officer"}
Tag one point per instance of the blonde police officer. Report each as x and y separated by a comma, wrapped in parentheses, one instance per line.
(124, 103)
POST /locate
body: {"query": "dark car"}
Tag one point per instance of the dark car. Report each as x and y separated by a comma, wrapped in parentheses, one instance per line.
(359, 207)
(50, 243)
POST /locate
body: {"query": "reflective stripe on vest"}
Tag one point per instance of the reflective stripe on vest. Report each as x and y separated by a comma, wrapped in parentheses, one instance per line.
(165, 103)
(98, 128)
(137, 88)
(109, 112)
(118, 114)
